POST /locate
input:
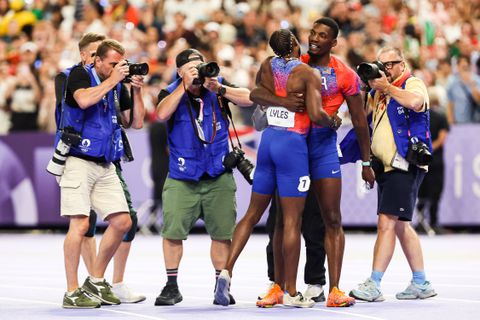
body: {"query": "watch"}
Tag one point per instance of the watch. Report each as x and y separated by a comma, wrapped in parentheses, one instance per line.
(222, 90)
(366, 164)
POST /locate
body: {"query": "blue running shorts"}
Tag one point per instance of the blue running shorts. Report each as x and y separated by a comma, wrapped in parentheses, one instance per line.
(323, 154)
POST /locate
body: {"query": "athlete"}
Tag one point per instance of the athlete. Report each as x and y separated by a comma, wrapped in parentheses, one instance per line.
(282, 163)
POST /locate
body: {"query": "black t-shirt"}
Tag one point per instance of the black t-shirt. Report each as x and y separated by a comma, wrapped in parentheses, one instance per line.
(80, 79)
(195, 104)
(438, 122)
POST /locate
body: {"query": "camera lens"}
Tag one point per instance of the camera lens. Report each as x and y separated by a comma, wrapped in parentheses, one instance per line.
(140, 69)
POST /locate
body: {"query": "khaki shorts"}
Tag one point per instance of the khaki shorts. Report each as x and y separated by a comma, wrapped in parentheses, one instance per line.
(212, 200)
(88, 185)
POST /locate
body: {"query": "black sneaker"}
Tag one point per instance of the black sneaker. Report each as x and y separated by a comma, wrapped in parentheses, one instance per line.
(169, 296)
(232, 300)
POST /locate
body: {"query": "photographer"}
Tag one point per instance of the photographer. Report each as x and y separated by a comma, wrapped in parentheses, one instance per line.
(401, 145)
(88, 45)
(89, 181)
(198, 185)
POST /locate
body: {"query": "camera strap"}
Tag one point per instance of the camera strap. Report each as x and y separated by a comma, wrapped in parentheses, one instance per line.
(228, 114)
(197, 125)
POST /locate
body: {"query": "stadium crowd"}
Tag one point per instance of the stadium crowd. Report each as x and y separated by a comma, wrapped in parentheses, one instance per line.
(38, 39)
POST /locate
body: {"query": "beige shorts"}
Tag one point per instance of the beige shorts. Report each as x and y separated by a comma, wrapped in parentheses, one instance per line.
(88, 185)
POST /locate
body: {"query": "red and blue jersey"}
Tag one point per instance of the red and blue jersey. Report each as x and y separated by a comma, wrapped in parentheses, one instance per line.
(279, 116)
(338, 82)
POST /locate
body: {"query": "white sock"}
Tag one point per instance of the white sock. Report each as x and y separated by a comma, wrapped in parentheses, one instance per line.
(96, 279)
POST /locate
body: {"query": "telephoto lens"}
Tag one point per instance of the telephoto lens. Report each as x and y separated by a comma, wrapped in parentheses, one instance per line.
(56, 165)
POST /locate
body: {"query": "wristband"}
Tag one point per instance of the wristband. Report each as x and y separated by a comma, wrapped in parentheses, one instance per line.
(222, 90)
(366, 164)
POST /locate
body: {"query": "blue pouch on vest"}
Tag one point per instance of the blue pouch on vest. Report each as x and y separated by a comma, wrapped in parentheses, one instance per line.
(115, 148)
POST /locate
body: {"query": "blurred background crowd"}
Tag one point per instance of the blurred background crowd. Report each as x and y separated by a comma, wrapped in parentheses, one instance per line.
(38, 38)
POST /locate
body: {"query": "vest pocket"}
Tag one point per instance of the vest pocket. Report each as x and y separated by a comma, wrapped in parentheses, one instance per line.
(218, 153)
(183, 163)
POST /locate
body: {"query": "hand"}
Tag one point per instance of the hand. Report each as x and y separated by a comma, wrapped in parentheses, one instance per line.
(336, 121)
(368, 176)
(294, 102)
(212, 84)
(137, 82)
(120, 71)
(380, 84)
(188, 73)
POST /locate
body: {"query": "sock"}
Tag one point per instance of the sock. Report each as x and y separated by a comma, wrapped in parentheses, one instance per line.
(217, 273)
(93, 279)
(377, 277)
(172, 276)
(69, 293)
(419, 277)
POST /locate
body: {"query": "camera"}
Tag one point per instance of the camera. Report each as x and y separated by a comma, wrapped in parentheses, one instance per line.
(68, 138)
(206, 70)
(369, 71)
(418, 153)
(136, 69)
(236, 158)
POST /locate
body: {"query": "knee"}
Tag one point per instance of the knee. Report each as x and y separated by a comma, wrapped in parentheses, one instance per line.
(121, 222)
(79, 226)
(386, 224)
(333, 219)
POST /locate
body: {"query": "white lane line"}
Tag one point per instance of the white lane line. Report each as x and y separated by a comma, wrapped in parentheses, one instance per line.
(138, 315)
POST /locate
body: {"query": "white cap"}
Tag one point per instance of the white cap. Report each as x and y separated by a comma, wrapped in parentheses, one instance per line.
(212, 26)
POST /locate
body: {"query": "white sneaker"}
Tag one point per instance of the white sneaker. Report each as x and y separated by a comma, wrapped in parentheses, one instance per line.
(222, 289)
(125, 294)
(264, 294)
(298, 301)
(314, 292)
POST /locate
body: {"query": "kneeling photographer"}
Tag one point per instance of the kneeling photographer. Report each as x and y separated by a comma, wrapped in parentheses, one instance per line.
(199, 185)
(401, 145)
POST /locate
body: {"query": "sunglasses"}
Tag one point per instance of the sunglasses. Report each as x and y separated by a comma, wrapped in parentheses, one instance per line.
(390, 64)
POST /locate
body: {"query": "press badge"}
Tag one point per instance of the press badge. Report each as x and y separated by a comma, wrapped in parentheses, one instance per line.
(280, 117)
(399, 162)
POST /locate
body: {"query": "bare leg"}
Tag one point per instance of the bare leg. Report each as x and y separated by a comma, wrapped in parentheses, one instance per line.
(219, 253)
(72, 247)
(328, 191)
(120, 261)
(172, 253)
(243, 230)
(410, 245)
(89, 252)
(292, 208)
(118, 224)
(278, 261)
(385, 243)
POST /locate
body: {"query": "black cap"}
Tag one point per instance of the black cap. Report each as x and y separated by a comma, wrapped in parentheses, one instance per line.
(184, 57)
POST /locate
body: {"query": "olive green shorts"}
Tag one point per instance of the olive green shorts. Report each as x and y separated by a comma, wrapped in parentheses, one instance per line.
(213, 201)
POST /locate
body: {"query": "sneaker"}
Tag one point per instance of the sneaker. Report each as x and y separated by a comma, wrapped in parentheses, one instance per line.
(222, 290)
(338, 298)
(79, 299)
(297, 301)
(368, 291)
(417, 291)
(232, 300)
(125, 294)
(264, 294)
(101, 290)
(273, 297)
(315, 293)
(169, 296)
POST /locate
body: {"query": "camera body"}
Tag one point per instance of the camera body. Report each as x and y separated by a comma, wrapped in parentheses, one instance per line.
(206, 70)
(369, 71)
(236, 158)
(68, 138)
(136, 69)
(418, 153)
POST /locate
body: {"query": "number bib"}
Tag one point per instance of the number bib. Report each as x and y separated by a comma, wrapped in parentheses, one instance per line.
(280, 117)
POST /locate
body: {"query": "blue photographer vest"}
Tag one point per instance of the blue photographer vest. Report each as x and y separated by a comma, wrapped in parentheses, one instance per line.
(98, 125)
(419, 127)
(189, 157)
(418, 123)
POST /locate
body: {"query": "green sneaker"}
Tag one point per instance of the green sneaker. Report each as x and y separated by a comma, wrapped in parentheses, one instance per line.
(101, 290)
(79, 299)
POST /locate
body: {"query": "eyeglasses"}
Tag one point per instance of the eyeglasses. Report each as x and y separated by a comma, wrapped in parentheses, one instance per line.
(390, 64)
